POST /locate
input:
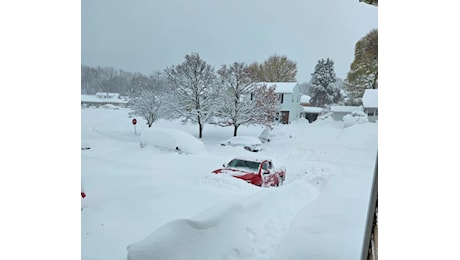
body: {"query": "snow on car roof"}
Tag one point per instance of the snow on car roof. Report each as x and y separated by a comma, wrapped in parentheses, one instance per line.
(255, 158)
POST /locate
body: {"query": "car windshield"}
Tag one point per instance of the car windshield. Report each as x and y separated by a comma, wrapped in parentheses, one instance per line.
(237, 163)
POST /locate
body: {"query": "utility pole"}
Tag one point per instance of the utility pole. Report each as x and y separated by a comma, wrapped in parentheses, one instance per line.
(158, 78)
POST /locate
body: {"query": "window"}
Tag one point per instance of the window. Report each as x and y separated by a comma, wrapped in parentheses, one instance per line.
(281, 98)
(265, 166)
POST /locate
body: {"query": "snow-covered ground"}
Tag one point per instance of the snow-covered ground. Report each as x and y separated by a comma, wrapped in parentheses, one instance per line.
(151, 203)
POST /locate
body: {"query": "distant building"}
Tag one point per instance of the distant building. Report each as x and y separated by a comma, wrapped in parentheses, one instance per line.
(370, 104)
(338, 112)
(289, 100)
(309, 112)
(107, 95)
(103, 98)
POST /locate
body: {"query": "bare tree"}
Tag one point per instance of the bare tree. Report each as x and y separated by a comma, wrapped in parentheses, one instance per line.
(236, 97)
(143, 101)
(194, 92)
(146, 104)
(106, 79)
(266, 104)
(89, 79)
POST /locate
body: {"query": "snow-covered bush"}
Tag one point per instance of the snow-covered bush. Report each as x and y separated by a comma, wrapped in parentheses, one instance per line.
(355, 117)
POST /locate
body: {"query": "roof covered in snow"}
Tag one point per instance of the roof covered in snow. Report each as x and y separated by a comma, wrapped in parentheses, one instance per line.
(370, 98)
(95, 99)
(315, 110)
(346, 108)
(305, 99)
(280, 87)
(107, 95)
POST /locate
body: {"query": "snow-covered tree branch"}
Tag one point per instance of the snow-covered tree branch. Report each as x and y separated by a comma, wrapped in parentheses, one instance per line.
(194, 92)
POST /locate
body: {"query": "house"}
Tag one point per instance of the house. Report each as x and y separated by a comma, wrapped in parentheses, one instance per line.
(103, 98)
(107, 95)
(370, 104)
(338, 112)
(309, 112)
(288, 98)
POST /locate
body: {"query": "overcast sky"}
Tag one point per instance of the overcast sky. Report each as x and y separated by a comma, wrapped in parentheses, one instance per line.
(148, 36)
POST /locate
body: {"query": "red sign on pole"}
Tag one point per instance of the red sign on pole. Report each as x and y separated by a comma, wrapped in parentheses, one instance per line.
(134, 121)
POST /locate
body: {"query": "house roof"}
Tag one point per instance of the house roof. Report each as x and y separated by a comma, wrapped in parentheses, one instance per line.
(94, 99)
(314, 110)
(370, 98)
(109, 94)
(347, 109)
(305, 99)
(280, 87)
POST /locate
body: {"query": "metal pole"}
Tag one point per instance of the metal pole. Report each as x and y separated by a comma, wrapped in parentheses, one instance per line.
(158, 78)
(370, 214)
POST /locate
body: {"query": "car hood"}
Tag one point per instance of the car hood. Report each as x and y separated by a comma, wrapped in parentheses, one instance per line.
(234, 171)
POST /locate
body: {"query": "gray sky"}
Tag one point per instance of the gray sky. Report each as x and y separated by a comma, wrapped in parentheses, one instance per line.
(148, 36)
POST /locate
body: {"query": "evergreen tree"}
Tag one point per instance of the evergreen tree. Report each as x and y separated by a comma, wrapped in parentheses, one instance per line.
(324, 88)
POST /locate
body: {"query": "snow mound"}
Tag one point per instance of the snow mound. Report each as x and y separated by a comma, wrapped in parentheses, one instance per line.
(240, 229)
(172, 140)
(110, 106)
(355, 117)
(191, 239)
(227, 182)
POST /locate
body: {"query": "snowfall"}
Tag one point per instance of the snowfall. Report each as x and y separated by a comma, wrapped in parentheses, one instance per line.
(150, 202)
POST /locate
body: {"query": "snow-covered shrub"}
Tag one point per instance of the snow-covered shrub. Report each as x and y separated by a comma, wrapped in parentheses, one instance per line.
(355, 117)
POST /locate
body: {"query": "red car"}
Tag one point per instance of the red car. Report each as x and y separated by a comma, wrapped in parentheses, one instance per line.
(260, 172)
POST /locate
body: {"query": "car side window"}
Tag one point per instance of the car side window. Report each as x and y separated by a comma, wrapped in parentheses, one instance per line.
(265, 166)
(270, 165)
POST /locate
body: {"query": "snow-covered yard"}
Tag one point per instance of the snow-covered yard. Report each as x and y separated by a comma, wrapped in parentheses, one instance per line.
(151, 203)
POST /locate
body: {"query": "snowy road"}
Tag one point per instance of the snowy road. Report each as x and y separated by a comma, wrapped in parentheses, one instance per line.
(166, 205)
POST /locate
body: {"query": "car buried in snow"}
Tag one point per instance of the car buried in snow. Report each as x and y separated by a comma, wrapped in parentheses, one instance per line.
(173, 140)
(257, 171)
(249, 143)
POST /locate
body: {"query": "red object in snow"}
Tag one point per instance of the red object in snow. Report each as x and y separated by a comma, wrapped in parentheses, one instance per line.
(259, 172)
(134, 121)
(83, 195)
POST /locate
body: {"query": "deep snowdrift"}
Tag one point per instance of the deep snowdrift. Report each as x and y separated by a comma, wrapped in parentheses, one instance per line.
(149, 203)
